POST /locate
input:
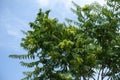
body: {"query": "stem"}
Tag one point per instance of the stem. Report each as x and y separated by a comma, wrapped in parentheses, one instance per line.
(108, 78)
(93, 78)
(102, 76)
(99, 73)
(84, 78)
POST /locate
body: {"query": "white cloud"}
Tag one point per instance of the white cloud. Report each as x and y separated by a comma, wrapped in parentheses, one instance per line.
(13, 24)
(43, 3)
(65, 3)
(12, 31)
(53, 3)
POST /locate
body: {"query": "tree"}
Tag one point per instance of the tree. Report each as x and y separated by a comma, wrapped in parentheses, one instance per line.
(102, 24)
(78, 50)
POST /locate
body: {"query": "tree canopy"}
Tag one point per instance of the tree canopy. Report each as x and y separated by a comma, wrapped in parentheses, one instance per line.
(86, 49)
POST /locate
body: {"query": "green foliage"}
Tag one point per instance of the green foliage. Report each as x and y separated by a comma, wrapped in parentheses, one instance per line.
(75, 51)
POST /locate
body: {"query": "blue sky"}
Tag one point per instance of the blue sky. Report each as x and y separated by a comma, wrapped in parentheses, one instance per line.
(14, 17)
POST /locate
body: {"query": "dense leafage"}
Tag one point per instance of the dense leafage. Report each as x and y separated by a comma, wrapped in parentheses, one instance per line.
(83, 50)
